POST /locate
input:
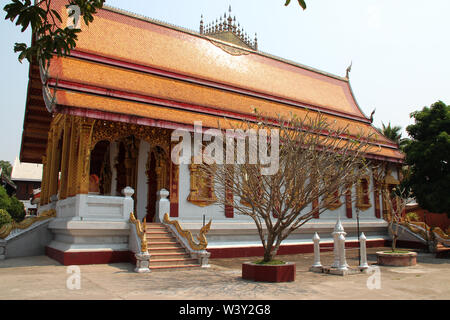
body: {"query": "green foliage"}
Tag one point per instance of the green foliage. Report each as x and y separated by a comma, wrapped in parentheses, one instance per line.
(49, 37)
(16, 209)
(394, 133)
(4, 217)
(5, 200)
(428, 156)
(302, 3)
(6, 168)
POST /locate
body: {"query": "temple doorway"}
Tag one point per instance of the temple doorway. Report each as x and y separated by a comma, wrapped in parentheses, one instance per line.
(157, 171)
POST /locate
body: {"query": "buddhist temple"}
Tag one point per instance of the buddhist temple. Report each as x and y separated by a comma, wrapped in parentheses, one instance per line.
(100, 121)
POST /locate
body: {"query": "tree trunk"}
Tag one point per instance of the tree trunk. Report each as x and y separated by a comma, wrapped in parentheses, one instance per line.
(269, 252)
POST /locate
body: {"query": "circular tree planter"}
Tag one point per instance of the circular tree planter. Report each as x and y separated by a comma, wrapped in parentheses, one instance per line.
(397, 259)
(268, 273)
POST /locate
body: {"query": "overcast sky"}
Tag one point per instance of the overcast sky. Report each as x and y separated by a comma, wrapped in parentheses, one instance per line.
(400, 49)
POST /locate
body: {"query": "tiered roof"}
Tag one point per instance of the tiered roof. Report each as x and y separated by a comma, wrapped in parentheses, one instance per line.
(130, 68)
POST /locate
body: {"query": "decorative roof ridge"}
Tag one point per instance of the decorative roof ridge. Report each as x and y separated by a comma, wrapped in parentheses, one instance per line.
(197, 34)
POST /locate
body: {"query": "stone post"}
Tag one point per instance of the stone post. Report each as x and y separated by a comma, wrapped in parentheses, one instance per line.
(338, 230)
(162, 205)
(142, 262)
(342, 260)
(128, 203)
(316, 240)
(363, 264)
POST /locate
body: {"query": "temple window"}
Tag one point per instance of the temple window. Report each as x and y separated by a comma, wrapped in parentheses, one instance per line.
(362, 197)
(202, 186)
(333, 200)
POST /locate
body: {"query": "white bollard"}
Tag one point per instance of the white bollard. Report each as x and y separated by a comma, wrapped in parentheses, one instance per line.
(342, 261)
(316, 240)
(364, 264)
(338, 230)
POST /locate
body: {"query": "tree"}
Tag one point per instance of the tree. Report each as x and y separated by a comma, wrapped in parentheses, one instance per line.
(6, 168)
(302, 3)
(394, 134)
(396, 200)
(12, 205)
(428, 155)
(49, 37)
(316, 165)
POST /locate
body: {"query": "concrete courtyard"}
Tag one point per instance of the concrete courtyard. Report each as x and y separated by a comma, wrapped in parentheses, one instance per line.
(43, 278)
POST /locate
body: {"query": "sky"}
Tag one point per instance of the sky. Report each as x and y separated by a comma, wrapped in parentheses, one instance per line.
(399, 49)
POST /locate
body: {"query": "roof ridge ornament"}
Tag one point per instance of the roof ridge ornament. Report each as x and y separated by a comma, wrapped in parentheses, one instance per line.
(349, 69)
(226, 25)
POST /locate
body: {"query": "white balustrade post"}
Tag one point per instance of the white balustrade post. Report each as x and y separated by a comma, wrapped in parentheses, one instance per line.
(316, 240)
(142, 262)
(162, 205)
(364, 264)
(343, 261)
(338, 230)
(128, 202)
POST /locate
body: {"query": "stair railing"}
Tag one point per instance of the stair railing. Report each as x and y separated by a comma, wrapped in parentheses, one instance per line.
(197, 250)
(138, 244)
(15, 228)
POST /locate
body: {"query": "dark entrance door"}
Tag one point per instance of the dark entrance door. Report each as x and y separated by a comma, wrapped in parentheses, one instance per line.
(152, 188)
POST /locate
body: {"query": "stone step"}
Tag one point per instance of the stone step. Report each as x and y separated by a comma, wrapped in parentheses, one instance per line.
(163, 244)
(161, 239)
(174, 249)
(159, 236)
(174, 268)
(172, 262)
(147, 228)
(168, 255)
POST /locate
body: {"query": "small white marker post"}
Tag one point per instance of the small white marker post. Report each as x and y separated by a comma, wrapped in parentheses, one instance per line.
(363, 264)
(316, 240)
(343, 261)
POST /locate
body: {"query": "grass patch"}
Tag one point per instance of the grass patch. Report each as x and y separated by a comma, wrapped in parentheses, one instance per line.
(397, 251)
(270, 263)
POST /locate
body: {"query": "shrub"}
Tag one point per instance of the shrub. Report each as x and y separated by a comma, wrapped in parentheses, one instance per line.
(16, 209)
(5, 200)
(4, 217)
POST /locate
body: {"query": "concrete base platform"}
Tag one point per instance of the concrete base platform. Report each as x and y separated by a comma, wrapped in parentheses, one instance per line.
(336, 271)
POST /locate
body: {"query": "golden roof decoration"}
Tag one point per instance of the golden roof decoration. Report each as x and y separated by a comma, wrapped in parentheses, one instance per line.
(225, 28)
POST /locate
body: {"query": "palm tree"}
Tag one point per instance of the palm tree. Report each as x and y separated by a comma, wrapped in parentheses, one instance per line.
(394, 133)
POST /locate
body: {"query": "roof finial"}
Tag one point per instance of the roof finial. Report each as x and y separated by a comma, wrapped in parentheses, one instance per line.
(201, 25)
(349, 69)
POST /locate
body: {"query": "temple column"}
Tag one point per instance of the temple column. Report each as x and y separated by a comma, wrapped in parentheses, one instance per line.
(73, 159)
(54, 167)
(65, 159)
(44, 181)
(46, 178)
(84, 154)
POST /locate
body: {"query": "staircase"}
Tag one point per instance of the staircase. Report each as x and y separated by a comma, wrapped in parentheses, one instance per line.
(165, 251)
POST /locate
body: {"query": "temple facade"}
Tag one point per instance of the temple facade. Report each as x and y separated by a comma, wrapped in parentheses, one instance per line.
(100, 122)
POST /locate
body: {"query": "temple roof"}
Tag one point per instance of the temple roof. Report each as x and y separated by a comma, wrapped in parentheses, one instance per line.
(227, 29)
(128, 66)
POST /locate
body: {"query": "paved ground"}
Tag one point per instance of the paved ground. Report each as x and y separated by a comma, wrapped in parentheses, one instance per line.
(43, 278)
